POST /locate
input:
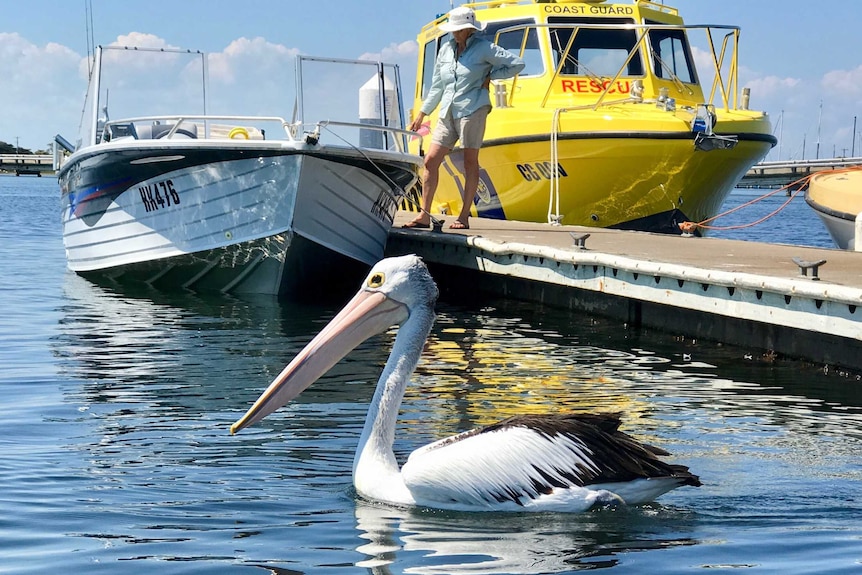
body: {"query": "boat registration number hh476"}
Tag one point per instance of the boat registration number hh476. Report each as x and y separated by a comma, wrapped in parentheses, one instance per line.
(159, 195)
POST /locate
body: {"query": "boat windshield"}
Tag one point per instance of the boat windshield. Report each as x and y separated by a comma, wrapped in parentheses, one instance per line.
(514, 41)
(671, 57)
(594, 52)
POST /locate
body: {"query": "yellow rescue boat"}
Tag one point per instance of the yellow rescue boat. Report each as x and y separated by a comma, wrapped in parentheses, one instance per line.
(610, 124)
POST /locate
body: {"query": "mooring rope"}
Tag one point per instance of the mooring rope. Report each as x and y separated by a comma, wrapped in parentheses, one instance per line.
(797, 186)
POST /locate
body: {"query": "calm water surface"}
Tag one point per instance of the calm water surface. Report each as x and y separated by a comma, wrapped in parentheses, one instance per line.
(115, 455)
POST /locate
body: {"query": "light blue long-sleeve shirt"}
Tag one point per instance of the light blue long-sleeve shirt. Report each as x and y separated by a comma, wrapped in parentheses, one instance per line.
(457, 81)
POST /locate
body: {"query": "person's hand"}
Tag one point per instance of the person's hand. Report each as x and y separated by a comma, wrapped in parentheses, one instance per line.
(417, 122)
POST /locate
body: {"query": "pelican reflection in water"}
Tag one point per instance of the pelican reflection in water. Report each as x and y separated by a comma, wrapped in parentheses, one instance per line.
(396, 540)
(554, 462)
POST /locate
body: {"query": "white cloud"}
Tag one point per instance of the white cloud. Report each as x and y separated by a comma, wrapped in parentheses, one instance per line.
(768, 86)
(38, 82)
(252, 76)
(24, 65)
(843, 84)
(44, 86)
(141, 54)
(244, 56)
(843, 79)
(395, 53)
(142, 40)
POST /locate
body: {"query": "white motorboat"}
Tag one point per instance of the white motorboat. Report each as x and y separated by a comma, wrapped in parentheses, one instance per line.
(212, 202)
(836, 197)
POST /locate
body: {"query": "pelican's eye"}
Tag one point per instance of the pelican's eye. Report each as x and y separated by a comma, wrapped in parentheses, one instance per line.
(376, 280)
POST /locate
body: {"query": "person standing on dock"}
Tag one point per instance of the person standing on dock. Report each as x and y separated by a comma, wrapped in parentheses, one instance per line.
(465, 66)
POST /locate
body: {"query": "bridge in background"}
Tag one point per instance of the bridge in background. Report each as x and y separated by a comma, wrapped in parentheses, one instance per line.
(27, 164)
(782, 173)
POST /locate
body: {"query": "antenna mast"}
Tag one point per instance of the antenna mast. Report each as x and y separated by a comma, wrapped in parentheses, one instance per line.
(91, 43)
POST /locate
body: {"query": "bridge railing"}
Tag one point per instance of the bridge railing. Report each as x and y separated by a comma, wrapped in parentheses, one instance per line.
(786, 172)
(818, 163)
(18, 159)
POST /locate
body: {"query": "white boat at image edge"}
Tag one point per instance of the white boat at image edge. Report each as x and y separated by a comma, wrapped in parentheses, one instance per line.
(241, 204)
(836, 197)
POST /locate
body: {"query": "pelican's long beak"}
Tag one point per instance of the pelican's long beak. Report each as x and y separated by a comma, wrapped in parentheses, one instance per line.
(367, 314)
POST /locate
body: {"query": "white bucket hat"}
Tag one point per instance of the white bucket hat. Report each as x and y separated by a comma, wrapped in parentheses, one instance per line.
(461, 18)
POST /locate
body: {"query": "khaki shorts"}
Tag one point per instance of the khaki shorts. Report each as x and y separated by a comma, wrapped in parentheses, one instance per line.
(470, 129)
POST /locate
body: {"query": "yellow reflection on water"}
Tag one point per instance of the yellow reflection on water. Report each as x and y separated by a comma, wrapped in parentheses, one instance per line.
(470, 377)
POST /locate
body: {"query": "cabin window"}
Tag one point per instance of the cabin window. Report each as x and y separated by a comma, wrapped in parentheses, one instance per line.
(513, 40)
(671, 56)
(428, 62)
(595, 52)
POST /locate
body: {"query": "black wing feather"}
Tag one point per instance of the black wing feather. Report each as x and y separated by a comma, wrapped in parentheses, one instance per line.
(617, 455)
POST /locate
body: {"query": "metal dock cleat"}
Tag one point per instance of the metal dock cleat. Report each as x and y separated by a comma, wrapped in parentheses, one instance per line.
(805, 265)
(580, 240)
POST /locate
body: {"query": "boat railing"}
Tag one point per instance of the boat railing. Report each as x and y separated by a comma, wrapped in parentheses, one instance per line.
(725, 82)
(187, 126)
(385, 113)
(399, 143)
(233, 127)
(383, 128)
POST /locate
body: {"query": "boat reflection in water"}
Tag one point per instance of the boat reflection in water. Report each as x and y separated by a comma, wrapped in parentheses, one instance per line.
(455, 543)
(477, 367)
(177, 350)
(478, 373)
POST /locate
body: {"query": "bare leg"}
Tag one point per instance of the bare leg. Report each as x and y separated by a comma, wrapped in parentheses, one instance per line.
(430, 176)
(471, 183)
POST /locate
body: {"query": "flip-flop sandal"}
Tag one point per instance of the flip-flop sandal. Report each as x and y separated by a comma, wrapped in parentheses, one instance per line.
(416, 225)
(459, 225)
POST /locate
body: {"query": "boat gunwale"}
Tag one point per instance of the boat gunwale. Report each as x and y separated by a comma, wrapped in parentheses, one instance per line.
(260, 148)
(818, 207)
(679, 135)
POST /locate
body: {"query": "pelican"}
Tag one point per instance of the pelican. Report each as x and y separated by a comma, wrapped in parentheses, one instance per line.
(555, 462)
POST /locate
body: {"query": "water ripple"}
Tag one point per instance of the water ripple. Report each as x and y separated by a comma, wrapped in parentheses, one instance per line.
(117, 456)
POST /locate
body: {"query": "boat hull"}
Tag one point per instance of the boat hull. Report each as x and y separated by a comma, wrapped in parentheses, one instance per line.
(631, 181)
(226, 218)
(836, 197)
(277, 265)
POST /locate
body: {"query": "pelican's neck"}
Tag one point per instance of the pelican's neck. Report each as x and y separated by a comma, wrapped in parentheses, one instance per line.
(374, 465)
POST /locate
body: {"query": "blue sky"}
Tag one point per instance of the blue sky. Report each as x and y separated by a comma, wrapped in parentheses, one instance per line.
(795, 55)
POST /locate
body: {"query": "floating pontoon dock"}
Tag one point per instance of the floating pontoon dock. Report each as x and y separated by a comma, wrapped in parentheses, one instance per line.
(774, 297)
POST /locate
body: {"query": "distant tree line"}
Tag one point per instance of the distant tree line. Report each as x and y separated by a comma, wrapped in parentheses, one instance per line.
(11, 149)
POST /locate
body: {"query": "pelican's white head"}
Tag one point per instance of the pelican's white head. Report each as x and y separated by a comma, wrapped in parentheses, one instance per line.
(394, 289)
(404, 279)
